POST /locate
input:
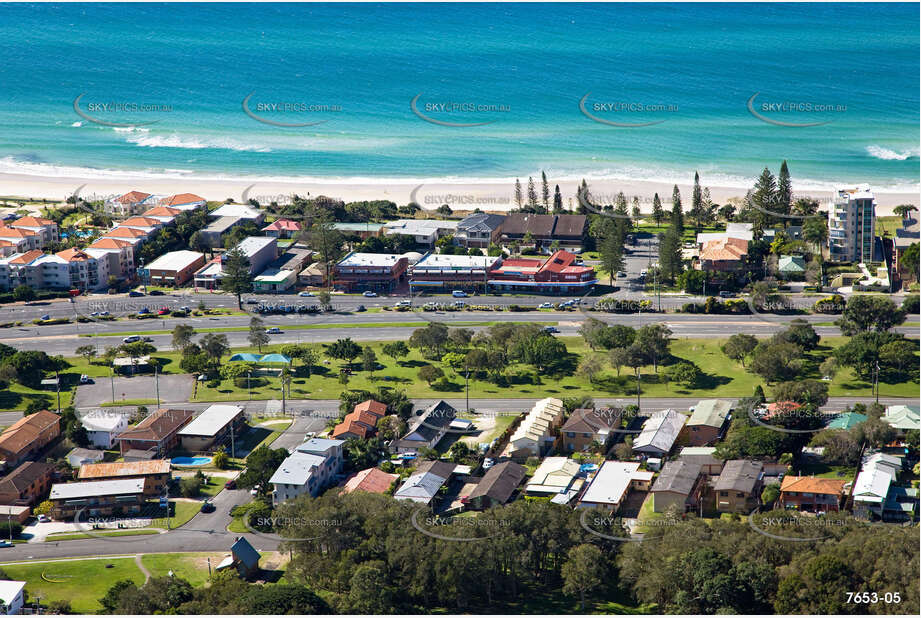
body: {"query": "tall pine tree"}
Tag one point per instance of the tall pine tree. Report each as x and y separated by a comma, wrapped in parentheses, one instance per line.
(519, 198)
(697, 202)
(658, 214)
(557, 200)
(677, 221)
(784, 190)
(532, 195)
(545, 191)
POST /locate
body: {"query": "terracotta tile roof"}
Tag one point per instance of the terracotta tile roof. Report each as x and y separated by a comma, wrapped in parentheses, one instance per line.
(142, 221)
(27, 257)
(162, 211)
(12, 232)
(181, 198)
(375, 407)
(110, 243)
(362, 416)
(349, 426)
(132, 197)
(781, 407)
(283, 224)
(158, 425)
(813, 485)
(32, 222)
(372, 480)
(726, 249)
(23, 432)
(130, 468)
(125, 232)
(5, 243)
(73, 255)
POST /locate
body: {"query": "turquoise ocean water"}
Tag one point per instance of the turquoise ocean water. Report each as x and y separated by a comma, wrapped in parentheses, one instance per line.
(521, 68)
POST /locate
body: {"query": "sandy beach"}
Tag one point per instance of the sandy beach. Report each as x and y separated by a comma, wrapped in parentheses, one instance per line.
(462, 195)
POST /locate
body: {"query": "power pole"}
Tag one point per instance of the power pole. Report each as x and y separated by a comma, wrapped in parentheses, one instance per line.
(157, 383)
(112, 378)
(57, 386)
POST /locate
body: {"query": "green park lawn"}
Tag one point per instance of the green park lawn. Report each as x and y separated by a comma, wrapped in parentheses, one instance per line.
(722, 378)
(192, 567)
(80, 582)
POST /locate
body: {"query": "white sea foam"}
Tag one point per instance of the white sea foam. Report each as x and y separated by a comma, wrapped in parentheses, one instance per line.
(887, 154)
(12, 165)
(194, 143)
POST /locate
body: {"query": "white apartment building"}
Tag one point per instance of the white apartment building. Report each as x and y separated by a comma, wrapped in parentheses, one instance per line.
(308, 470)
(852, 224)
(71, 269)
(119, 253)
(46, 229)
(130, 203)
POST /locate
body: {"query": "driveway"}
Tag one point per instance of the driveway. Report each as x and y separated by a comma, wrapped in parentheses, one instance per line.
(173, 388)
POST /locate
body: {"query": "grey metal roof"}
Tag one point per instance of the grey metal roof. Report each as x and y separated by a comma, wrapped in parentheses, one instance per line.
(739, 475)
(90, 489)
(677, 476)
(211, 421)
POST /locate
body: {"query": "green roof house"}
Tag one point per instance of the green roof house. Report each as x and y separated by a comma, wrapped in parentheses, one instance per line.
(847, 420)
(791, 265)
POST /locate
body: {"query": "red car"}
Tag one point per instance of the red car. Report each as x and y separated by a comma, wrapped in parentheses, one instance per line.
(231, 484)
(163, 311)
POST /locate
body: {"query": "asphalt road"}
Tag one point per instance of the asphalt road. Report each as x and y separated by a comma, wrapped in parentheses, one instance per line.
(65, 338)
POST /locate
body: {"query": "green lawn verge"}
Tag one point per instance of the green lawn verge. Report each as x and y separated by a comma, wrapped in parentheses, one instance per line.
(70, 536)
(181, 512)
(80, 582)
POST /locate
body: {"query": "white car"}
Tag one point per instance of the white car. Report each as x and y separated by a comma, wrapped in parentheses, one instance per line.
(545, 306)
(43, 518)
(459, 294)
(273, 331)
(369, 294)
(131, 339)
(305, 294)
(85, 379)
(488, 463)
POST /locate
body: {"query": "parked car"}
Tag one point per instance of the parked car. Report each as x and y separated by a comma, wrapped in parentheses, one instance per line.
(85, 379)
(621, 274)
(46, 317)
(5, 544)
(143, 310)
(231, 484)
(273, 331)
(360, 308)
(488, 463)
(551, 329)
(156, 293)
(43, 518)
(207, 507)
(147, 339)
(545, 306)
(369, 294)
(135, 293)
(727, 294)
(305, 294)
(251, 301)
(459, 294)
(163, 311)
(131, 339)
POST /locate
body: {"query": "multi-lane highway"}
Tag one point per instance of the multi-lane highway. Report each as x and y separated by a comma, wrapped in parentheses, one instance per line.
(344, 322)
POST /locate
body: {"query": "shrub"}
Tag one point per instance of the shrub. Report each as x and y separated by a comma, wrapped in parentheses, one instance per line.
(7, 526)
(830, 304)
(911, 303)
(444, 384)
(190, 487)
(257, 382)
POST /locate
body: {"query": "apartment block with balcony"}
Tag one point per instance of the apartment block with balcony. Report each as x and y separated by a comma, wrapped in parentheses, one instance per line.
(852, 224)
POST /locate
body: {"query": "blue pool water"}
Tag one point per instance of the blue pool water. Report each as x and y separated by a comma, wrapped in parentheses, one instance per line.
(190, 461)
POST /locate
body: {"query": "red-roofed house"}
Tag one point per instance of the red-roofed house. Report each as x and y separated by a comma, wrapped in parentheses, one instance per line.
(781, 407)
(557, 274)
(809, 493)
(132, 235)
(183, 201)
(163, 214)
(372, 480)
(130, 203)
(361, 422)
(375, 407)
(725, 254)
(145, 224)
(23, 240)
(282, 228)
(45, 228)
(120, 254)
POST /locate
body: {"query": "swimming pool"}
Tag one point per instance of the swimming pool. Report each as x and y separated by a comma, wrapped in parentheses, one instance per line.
(190, 461)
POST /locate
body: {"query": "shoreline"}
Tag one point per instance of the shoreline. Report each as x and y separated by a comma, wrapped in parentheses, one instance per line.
(488, 195)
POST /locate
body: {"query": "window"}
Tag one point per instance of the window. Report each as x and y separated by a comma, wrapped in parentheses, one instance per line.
(570, 434)
(724, 494)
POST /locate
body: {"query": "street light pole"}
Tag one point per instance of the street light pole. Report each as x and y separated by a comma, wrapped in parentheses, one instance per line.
(157, 383)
